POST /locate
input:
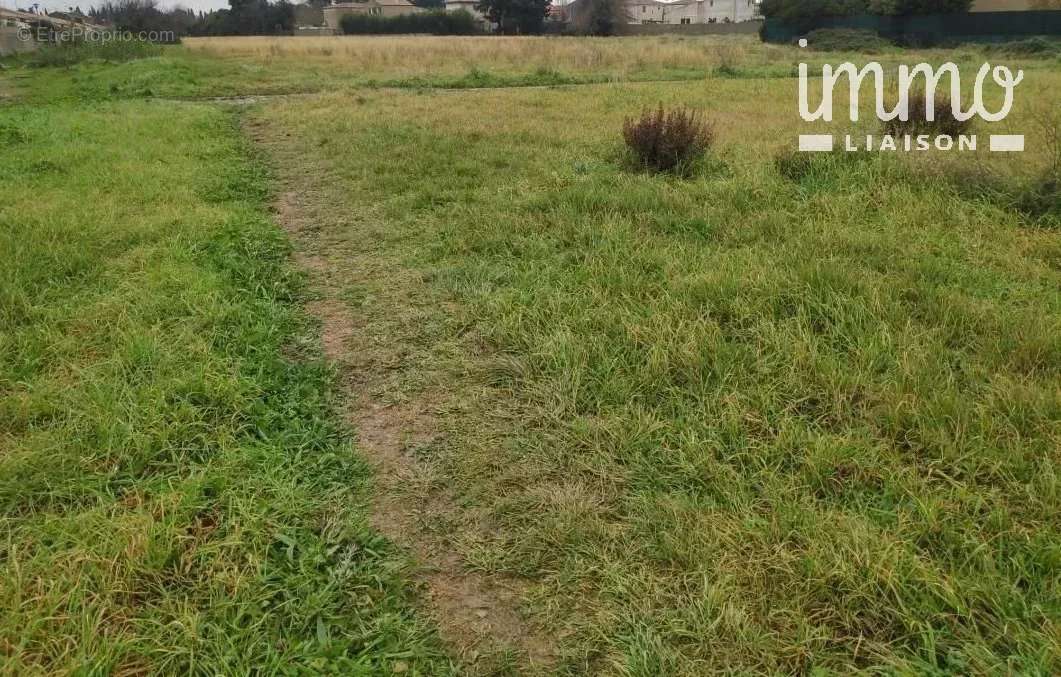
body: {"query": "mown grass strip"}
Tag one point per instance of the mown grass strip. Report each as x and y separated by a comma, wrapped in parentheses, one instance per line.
(176, 495)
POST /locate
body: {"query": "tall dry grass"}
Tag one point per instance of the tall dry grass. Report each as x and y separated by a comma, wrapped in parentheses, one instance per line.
(413, 55)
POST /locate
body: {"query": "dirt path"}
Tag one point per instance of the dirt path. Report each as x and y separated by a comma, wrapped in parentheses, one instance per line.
(372, 339)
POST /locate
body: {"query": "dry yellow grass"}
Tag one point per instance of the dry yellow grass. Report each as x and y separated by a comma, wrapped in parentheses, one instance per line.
(415, 55)
(268, 63)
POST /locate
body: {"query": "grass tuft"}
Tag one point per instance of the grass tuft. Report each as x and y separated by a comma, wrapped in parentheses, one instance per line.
(943, 120)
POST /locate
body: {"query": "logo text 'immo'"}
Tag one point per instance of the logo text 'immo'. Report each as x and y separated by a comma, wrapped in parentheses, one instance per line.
(1000, 76)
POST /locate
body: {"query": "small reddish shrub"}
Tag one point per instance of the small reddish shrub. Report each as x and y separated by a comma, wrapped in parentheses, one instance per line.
(665, 141)
(944, 122)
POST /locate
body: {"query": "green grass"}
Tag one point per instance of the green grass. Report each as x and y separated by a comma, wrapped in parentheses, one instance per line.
(773, 418)
(176, 494)
(742, 422)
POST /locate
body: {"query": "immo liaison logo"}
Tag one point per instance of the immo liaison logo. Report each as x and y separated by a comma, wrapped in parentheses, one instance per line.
(907, 84)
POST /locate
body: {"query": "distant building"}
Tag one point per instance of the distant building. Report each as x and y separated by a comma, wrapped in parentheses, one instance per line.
(10, 19)
(333, 14)
(73, 16)
(13, 25)
(702, 11)
(681, 11)
(59, 21)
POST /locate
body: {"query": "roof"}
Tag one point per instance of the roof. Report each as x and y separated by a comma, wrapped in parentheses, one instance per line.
(58, 22)
(25, 16)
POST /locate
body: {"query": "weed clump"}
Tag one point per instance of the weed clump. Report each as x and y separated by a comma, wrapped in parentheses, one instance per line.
(1036, 47)
(668, 141)
(943, 122)
(11, 135)
(1037, 197)
(818, 170)
(793, 165)
(1041, 199)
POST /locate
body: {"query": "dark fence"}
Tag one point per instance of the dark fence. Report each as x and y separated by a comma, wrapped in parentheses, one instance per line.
(926, 30)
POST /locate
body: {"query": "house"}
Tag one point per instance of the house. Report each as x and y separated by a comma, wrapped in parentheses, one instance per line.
(58, 21)
(684, 11)
(11, 19)
(333, 14)
(42, 27)
(646, 12)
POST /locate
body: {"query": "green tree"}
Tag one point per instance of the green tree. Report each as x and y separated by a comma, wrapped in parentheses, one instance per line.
(516, 17)
(259, 17)
(806, 14)
(601, 17)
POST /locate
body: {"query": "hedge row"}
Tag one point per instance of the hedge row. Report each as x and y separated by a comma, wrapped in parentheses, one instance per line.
(434, 22)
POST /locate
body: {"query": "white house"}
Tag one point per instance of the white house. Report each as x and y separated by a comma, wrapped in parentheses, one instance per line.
(691, 11)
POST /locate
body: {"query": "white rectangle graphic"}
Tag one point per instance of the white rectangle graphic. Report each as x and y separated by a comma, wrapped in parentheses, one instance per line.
(816, 142)
(1007, 142)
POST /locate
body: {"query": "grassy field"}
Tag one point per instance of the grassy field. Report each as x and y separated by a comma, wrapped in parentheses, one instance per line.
(229, 67)
(760, 424)
(777, 417)
(177, 494)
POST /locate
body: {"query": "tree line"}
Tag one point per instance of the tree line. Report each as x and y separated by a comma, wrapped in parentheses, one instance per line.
(595, 17)
(804, 14)
(243, 17)
(264, 17)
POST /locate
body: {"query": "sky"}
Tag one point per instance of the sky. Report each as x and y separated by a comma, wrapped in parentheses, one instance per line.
(62, 5)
